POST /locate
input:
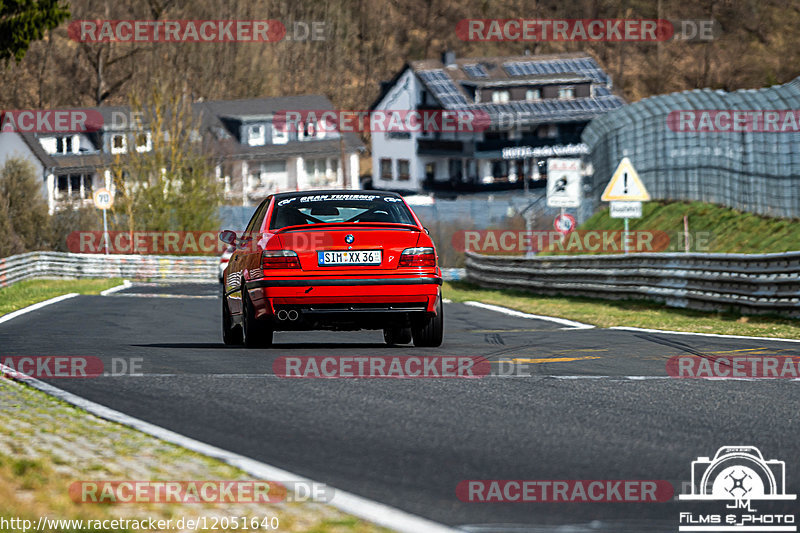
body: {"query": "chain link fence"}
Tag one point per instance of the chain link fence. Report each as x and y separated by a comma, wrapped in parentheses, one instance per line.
(754, 171)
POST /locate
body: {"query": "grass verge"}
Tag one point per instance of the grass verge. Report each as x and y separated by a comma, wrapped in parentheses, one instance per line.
(32, 291)
(47, 445)
(712, 228)
(630, 313)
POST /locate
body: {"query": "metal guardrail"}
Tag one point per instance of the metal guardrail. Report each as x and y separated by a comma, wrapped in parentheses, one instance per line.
(136, 267)
(747, 283)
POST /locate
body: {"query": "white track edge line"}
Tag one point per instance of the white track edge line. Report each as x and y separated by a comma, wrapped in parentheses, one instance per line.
(512, 312)
(34, 307)
(373, 511)
(125, 284)
(717, 335)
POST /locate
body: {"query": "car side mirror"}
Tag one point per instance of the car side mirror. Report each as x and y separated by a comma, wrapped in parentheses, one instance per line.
(228, 237)
(427, 230)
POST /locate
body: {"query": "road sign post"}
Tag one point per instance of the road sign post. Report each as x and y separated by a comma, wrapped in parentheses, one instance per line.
(563, 182)
(103, 200)
(625, 192)
(564, 224)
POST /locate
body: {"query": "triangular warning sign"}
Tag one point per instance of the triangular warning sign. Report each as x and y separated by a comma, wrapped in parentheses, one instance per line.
(625, 185)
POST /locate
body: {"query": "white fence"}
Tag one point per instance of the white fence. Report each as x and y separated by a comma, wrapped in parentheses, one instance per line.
(747, 283)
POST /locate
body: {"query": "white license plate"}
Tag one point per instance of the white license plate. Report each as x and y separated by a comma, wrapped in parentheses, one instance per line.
(349, 257)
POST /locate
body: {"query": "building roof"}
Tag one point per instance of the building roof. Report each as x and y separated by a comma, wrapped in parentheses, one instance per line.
(209, 114)
(446, 83)
(213, 113)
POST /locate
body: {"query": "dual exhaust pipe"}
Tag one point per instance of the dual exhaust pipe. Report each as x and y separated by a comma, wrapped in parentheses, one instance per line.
(291, 315)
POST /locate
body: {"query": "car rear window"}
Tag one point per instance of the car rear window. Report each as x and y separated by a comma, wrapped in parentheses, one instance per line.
(334, 208)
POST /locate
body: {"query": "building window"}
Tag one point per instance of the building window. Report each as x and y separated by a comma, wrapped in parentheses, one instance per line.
(322, 128)
(386, 169)
(62, 187)
(66, 145)
(143, 142)
(500, 97)
(430, 171)
(280, 133)
(87, 186)
(532, 95)
(403, 169)
(118, 144)
(309, 131)
(547, 131)
(566, 93)
(255, 135)
(77, 186)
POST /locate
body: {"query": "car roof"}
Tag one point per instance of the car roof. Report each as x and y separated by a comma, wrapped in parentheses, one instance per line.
(295, 194)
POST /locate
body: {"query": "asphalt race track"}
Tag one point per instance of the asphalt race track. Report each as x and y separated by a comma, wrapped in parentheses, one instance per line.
(605, 409)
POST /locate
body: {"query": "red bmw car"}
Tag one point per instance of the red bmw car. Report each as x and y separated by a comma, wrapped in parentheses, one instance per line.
(336, 260)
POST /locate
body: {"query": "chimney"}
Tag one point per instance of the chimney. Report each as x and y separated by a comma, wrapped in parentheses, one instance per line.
(448, 58)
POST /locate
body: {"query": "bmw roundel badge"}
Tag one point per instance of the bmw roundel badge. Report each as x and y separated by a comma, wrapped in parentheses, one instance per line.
(349, 239)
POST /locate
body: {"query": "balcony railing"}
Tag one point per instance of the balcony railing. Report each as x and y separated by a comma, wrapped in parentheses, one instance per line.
(493, 145)
(433, 147)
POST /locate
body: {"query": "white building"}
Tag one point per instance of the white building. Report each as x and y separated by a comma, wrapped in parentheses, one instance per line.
(251, 159)
(541, 102)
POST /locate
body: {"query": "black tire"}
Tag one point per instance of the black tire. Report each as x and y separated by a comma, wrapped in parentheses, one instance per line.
(431, 330)
(231, 335)
(397, 335)
(256, 334)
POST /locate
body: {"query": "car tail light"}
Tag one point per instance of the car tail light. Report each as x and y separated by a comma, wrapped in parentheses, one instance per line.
(418, 257)
(279, 259)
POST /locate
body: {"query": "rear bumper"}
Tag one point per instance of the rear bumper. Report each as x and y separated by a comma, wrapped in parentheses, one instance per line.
(341, 298)
(342, 282)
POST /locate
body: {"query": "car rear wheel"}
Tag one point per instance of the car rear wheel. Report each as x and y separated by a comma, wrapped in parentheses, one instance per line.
(397, 335)
(256, 334)
(430, 331)
(231, 335)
